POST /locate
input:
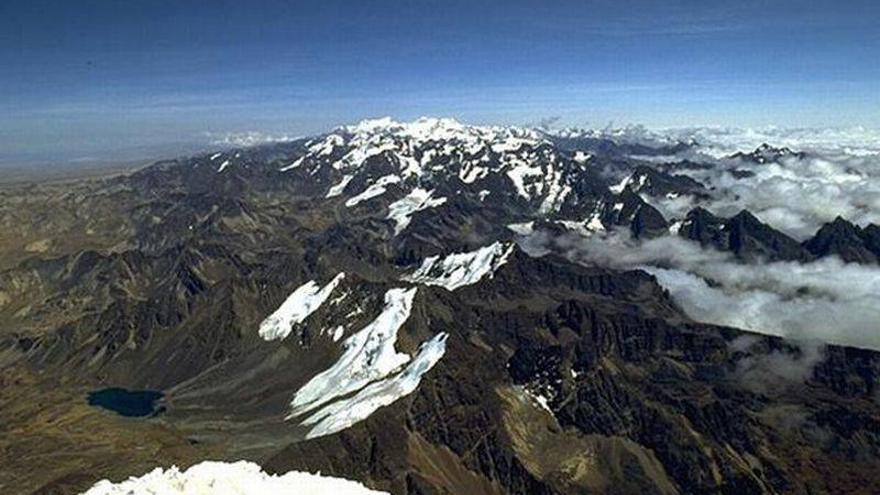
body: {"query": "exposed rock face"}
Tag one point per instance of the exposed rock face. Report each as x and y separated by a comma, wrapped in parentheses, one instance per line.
(653, 182)
(850, 242)
(629, 210)
(554, 377)
(768, 154)
(743, 234)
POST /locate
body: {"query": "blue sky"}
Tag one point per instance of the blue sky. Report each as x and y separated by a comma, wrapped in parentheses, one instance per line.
(84, 78)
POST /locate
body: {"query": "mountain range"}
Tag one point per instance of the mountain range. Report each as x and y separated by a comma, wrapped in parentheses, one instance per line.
(369, 303)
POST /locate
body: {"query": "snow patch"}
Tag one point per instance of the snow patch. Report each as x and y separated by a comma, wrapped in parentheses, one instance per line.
(363, 150)
(305, 300)
(223, 166)
(620, 186)
(594, 223)
(582, 157)
(460, 269)
(418, 199)
(375, 189)
(327, 145)
(337, 189)
(525, 228)
(557, 192)
(539, 399)
(295, 164)
(369, 355)
(470, 172)
(346, 412)
(518, 176)
(575, 226)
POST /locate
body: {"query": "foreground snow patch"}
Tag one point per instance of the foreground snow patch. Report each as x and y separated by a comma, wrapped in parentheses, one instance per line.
(229, 478)
(346, 412)
(369, 375)
(369, 355)
(460, 269)
(305, 300)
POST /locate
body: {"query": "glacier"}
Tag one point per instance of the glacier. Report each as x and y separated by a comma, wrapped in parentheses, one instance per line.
(346, 412)
(460, 269)
(339, 187)
(304, 301)
(375, 189)
(369, 355)
(418, 199)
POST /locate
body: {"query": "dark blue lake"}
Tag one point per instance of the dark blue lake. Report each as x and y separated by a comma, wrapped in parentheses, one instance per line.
(126, 402)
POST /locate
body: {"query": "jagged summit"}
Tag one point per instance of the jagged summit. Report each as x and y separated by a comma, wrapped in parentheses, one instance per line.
(846, 240)
(766, 153)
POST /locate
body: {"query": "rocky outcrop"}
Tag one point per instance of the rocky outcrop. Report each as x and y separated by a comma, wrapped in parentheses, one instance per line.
(768, 154)
(849, 242)
(743, 234)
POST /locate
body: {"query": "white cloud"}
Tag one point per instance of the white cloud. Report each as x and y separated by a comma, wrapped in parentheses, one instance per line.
(839, 177)
(247, 138)
(722, 141)
(775, 370)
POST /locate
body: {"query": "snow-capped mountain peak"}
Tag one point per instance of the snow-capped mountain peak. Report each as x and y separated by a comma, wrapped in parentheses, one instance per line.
(427, 129)
(429, 163)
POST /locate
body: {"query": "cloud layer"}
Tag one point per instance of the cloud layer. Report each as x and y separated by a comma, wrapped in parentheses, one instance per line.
(826, 300)
(722, 141)
(839, 176)
(247, 138)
